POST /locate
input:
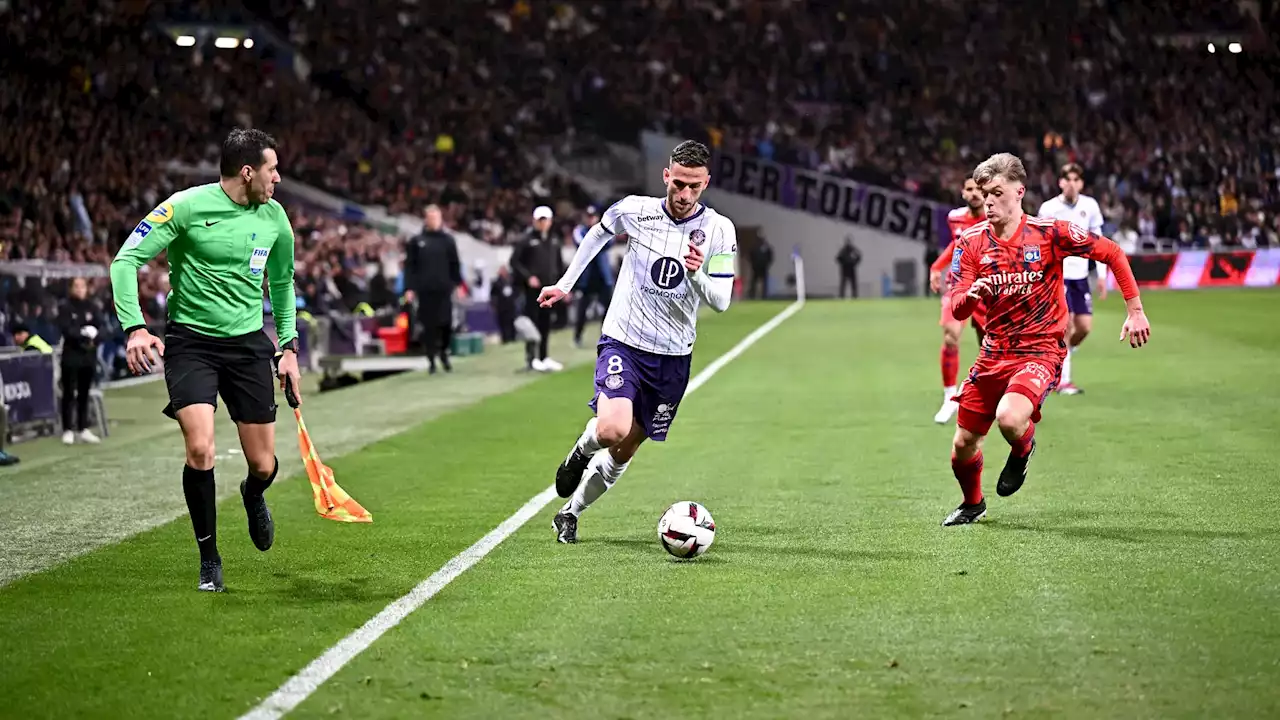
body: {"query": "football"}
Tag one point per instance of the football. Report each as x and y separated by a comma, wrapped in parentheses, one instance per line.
(686, 530)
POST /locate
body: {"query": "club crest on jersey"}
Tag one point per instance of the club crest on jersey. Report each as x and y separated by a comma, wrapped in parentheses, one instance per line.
(697, 237)
(1031, 253)
(667, 273)
(258, 260)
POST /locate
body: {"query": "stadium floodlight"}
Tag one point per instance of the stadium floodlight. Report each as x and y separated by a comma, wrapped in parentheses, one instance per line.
(1212, 49)
(248, 42)
(186, 41)
(1234, 48)
(226, 43)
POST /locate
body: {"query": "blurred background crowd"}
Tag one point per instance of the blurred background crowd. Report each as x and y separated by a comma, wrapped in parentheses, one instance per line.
(405, 103)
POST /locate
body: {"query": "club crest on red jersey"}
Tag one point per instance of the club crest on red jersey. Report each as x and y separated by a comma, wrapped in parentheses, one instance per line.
(1031, 253)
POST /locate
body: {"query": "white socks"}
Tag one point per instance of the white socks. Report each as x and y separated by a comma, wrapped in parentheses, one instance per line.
(948, 393)
(1066, 366)
(589, 444)
(601, 474)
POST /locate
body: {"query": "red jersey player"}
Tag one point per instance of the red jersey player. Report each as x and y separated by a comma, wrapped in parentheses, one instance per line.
(960, 219)
(1013, 264)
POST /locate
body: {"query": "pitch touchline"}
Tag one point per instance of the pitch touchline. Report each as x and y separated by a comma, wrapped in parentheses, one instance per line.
(310, 678)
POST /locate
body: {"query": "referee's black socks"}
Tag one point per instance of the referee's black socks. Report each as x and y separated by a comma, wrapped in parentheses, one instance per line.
(197, 486)
(256, 486)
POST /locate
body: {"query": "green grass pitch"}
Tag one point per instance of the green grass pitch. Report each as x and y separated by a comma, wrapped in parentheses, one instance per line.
(1136, 575)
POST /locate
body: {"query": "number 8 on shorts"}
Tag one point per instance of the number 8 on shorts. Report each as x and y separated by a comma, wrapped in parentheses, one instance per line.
(613, 379)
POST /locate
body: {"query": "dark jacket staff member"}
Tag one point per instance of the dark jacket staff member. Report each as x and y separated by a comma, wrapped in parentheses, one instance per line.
(432, 275)
(536, 261)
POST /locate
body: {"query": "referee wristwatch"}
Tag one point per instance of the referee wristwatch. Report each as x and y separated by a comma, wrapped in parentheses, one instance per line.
(292, 346)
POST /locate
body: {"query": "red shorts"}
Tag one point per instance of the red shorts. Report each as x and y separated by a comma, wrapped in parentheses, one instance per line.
(978, 318)
(989, 380)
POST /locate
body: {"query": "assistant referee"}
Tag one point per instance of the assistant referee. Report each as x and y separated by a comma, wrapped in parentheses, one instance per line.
(221, 238)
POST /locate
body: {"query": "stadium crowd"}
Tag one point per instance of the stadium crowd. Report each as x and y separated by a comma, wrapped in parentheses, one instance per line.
(458, 106)
(885, 92)
(911, 97)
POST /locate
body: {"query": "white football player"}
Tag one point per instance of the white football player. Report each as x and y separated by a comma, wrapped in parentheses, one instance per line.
(680, 254)
(1082, 210)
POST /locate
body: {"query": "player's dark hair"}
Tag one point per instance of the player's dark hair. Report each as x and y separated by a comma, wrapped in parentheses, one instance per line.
(243, 147)
(1071, 168)
(691, 154)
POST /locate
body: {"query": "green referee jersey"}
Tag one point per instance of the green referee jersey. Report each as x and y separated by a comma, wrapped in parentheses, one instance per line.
(218, 253)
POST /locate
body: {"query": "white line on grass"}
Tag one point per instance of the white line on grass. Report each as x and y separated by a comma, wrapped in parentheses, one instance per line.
(310, 678)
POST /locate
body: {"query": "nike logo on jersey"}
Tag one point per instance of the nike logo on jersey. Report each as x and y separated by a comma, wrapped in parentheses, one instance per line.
(211, 223)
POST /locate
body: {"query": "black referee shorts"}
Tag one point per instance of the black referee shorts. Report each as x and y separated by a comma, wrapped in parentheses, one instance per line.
(198, 368)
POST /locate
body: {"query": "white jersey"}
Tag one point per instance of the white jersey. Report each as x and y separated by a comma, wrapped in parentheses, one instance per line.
(655, 306)
(1085, 213)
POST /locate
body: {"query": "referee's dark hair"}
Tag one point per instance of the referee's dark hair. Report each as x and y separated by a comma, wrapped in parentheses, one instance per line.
(243, 147)
(691, 154)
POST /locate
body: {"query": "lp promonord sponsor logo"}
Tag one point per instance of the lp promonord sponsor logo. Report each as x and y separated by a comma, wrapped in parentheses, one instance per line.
(667, 273)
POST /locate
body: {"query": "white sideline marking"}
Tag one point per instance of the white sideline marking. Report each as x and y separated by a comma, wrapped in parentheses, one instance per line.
(310, 678)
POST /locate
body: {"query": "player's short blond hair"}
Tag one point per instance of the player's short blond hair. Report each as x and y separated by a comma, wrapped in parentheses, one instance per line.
(1005, 165)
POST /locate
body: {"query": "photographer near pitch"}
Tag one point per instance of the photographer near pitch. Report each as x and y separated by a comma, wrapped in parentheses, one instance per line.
(433, 273)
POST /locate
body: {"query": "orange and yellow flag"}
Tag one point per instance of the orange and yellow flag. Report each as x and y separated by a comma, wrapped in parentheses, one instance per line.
(332, 502)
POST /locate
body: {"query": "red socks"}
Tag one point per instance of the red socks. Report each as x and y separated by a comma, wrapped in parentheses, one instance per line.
(1022, 446)
(969, 475)
(950, 365)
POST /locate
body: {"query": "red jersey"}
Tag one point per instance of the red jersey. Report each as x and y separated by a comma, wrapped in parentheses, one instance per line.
(1026, 313)
(959, 220)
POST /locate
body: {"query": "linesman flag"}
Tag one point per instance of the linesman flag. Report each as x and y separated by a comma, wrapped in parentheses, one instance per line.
(332, 502)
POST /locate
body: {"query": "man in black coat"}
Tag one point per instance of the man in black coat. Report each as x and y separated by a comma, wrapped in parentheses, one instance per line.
(848, 259)
(536, 262)
(761, 262)
(433, 273)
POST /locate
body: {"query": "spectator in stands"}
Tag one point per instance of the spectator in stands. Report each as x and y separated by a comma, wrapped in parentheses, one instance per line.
(468, 117)
(536, 262)
(80, 321)
(433, 274)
